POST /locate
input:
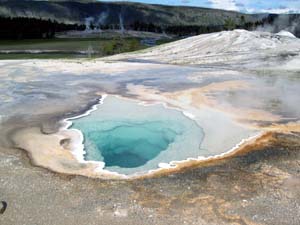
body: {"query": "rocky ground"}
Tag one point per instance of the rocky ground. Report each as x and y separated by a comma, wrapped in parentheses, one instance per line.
(258, 187)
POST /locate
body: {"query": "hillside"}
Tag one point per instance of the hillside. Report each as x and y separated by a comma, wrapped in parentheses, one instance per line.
(177, 20)
(108, 13)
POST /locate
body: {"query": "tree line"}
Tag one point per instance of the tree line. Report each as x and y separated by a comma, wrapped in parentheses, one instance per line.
(32, 28)
(186, 30)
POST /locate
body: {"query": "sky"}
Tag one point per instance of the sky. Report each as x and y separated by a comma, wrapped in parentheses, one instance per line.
(248, 6)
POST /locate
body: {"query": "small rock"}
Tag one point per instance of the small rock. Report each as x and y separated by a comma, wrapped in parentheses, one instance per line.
(121, 213)
(3, 207)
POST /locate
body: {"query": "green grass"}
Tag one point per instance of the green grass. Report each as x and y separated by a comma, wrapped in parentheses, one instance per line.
(37, 56)
(60, 44)
(70, 47)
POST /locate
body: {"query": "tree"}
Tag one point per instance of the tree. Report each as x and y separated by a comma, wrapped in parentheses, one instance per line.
(229, 24)
(243, 20)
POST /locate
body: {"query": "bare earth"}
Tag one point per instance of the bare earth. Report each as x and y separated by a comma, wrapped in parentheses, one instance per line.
(247, 85)
(259, 187)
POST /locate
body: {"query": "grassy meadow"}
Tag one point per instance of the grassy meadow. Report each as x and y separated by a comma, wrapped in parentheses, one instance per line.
(69, 47)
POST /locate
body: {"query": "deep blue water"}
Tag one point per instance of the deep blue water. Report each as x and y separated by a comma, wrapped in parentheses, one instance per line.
(130, 144)
(133, 138)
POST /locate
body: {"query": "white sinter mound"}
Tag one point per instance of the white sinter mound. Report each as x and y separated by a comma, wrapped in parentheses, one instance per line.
(238, 48)
(286, 34)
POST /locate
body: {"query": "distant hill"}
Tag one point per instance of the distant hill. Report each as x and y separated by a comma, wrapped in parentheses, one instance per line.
(147, 17)
(108, 12)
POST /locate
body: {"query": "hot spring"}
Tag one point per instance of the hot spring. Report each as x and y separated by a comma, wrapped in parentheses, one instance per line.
(131, 138)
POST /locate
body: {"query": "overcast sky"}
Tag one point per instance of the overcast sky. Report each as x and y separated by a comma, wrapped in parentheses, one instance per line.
(250, 6)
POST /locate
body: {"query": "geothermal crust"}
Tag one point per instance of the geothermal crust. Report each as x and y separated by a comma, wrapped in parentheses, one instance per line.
(235, 93)
(235, 84)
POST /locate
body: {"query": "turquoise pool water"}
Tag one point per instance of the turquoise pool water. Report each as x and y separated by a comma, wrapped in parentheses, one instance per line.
(132, 138)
